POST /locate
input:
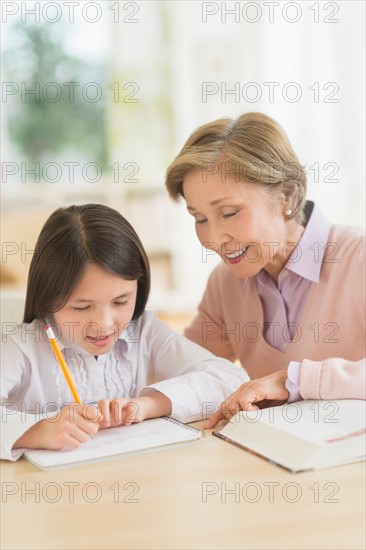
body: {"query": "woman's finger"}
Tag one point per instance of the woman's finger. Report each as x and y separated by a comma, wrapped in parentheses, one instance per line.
(213, 421)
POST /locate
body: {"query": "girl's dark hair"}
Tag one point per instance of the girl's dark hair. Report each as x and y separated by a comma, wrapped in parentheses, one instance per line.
(72, 238)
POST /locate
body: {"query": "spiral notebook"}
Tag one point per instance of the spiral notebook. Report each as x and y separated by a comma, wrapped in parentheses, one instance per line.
(150, 435)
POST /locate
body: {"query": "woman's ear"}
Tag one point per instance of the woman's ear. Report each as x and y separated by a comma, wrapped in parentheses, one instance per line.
(291, 193)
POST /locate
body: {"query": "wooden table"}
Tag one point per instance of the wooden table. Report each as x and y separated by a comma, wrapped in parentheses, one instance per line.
(208, 495)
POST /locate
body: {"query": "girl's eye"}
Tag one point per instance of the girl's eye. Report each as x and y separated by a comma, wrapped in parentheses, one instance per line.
(121, 303)
(81, 308)
(199, 221)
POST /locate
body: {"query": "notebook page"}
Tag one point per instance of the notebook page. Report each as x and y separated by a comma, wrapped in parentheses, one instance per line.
(141, 436)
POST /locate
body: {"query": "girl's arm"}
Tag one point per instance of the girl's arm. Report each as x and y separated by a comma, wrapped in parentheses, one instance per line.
(14, 377)
(13, 426)
(195, 381)
(20, 429)
(122, 411)
(73, 425)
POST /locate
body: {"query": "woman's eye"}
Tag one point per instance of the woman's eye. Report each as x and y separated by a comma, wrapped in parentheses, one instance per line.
(121, 303)
(229, 215)
(81, 308)
(200, 221)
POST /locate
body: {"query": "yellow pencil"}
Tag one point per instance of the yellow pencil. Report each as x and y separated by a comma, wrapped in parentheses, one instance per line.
(62, 362)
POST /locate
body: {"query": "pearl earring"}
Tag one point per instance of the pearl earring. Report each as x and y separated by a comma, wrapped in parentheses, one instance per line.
(288, 212)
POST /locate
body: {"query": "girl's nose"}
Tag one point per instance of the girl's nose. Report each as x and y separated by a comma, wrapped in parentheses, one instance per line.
(106, 323)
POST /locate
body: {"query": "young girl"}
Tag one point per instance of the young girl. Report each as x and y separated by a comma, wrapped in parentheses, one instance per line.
(90, 278)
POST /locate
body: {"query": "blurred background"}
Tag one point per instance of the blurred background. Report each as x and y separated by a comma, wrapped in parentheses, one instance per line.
(99, 97)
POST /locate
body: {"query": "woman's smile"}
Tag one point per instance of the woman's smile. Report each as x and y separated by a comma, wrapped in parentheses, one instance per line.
(238, 256)
(241, 222)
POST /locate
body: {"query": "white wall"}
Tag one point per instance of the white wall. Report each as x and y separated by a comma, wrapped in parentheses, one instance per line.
(324, 127)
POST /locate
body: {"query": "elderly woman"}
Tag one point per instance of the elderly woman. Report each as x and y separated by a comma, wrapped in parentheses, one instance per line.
(288, 299)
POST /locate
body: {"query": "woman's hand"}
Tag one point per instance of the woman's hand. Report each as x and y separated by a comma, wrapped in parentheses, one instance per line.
(257, 394)
(72, 426)
(118, 412)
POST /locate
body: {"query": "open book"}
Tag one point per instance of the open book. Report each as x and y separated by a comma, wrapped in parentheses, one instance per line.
(150, 435)
(303, 435)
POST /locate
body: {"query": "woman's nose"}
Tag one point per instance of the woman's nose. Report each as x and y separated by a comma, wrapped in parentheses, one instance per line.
(217, 238)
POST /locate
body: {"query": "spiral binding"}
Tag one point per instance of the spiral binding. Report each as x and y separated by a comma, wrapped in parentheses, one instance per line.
(179, 423)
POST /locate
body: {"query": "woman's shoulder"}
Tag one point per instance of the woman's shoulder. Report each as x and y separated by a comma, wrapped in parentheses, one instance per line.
(346, 245)
(345, 256)
(347, 235)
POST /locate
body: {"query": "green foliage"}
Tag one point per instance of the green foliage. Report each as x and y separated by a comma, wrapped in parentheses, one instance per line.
(39, 126)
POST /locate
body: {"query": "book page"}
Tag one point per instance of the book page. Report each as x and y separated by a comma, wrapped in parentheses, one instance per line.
(312, 420)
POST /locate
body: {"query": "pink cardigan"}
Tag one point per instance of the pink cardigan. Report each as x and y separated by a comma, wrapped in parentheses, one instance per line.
(330, 340)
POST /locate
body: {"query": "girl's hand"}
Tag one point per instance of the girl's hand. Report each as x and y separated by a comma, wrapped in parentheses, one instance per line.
(256, 394)
(118, 412)
(72, 426)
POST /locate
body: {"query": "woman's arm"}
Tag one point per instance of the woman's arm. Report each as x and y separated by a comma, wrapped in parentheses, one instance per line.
(333, 378)
(329, 379)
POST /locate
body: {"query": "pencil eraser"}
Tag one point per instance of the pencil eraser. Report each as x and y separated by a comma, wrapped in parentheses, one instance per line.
(49, 332)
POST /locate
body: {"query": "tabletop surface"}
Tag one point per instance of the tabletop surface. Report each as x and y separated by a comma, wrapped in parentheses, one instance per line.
(210, 494)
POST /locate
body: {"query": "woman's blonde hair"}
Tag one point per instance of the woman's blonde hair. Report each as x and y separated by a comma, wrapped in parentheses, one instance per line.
(253, 148)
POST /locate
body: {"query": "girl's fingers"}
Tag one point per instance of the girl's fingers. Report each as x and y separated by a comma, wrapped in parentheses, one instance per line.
(70, 442)
(130, 411)
(116, 409)
(105, 413)
(79, 435)
(83, 428)
(92, 412)
(121, 411)
(72, 437)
